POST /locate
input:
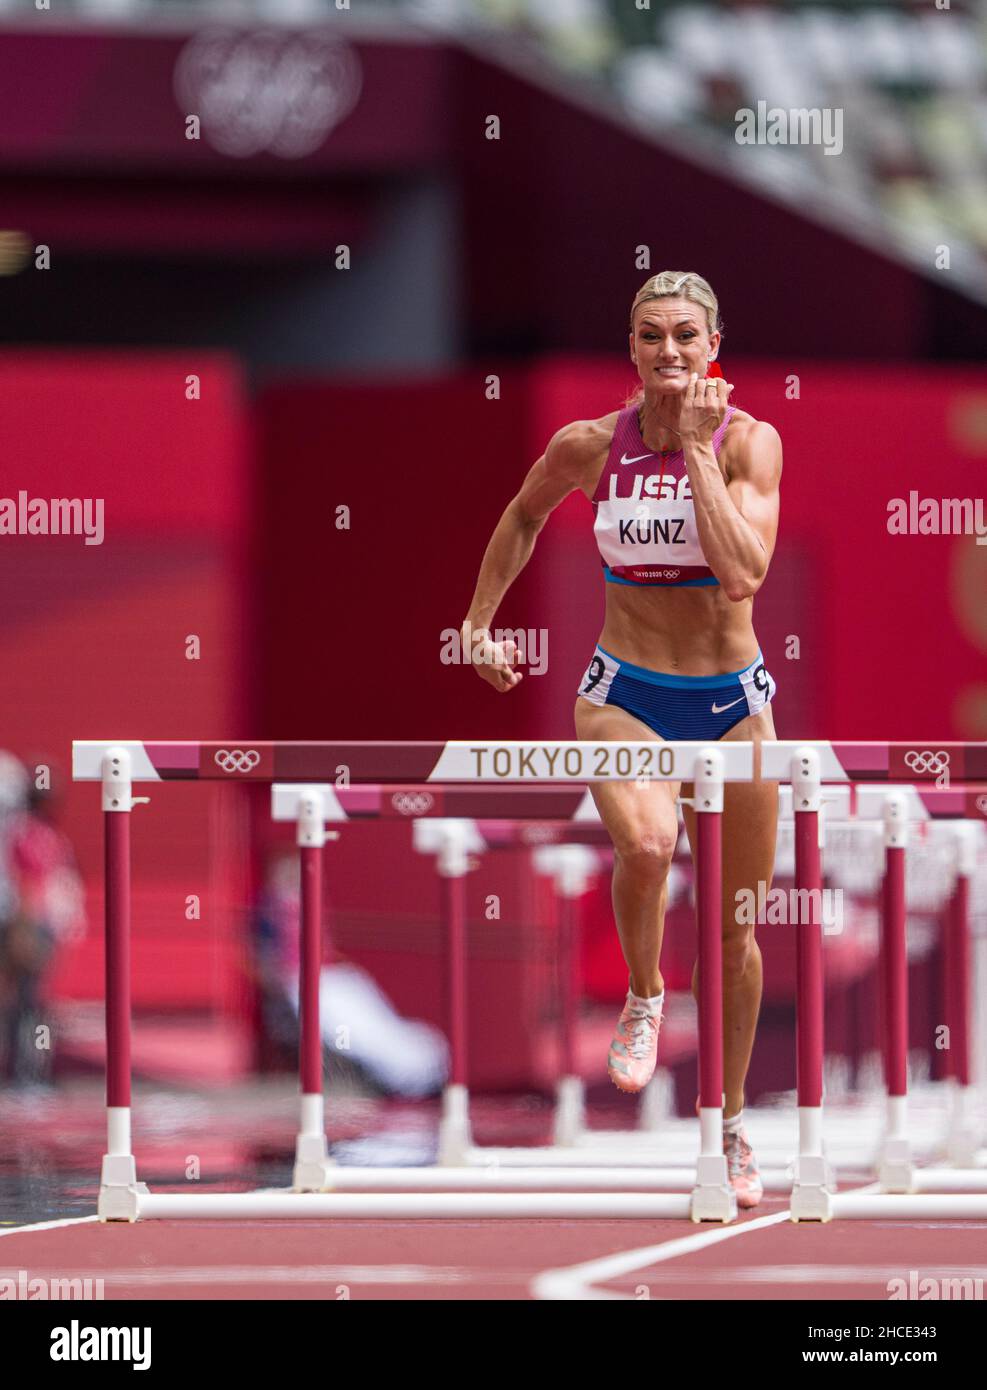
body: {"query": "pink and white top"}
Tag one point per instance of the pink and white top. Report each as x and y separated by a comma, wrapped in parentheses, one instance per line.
(645, 522)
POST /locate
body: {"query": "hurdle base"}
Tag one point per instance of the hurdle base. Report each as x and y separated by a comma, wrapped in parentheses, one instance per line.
(119, 1190)
(813, 1170)
(455, 1139)
(812, 1192)
(713, 1199)
(895, 1170)
(963, 1144)
(313, 1167)
(570, 1112)
(656, 1104)
(811, 1204)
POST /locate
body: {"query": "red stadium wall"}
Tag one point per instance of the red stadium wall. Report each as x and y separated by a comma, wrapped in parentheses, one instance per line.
(94, 636)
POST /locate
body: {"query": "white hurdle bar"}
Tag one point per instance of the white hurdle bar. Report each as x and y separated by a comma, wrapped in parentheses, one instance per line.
(424, 1206)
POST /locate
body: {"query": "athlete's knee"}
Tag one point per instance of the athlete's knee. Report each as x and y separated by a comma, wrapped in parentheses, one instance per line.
(739, 949)
(647, 854)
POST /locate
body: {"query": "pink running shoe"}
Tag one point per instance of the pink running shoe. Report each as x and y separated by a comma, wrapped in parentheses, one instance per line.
(742, 1169)
(634, 1050)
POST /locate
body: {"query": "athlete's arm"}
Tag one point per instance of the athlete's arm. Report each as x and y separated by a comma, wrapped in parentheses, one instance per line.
(754, 488)
(556, 474)
(738, 539)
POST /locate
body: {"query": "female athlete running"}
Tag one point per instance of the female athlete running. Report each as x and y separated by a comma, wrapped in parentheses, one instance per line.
(684, 487)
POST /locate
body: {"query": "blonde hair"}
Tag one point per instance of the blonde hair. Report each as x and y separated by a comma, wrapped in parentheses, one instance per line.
(681, 284)
(677, 284)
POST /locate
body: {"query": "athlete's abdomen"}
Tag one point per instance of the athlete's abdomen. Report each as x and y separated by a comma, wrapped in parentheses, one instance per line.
(683, 631)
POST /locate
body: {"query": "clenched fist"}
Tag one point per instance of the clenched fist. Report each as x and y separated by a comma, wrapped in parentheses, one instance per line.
(705, 405)
(494, 661)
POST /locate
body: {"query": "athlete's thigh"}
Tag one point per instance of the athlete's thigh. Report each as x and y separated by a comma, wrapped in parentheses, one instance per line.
(635, 813)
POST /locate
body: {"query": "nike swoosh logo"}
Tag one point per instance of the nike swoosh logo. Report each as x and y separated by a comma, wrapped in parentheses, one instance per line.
(637, 458)
(718, 709)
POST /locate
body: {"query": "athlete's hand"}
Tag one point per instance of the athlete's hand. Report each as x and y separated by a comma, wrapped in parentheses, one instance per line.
(705, 405)
(494, 661)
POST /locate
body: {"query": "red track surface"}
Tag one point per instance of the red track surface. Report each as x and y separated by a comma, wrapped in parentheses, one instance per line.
(498, 1259)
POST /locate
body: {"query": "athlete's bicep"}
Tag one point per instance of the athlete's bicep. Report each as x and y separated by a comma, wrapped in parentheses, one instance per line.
(755, 483)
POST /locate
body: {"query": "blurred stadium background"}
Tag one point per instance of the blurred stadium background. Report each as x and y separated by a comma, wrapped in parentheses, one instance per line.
(342, 293)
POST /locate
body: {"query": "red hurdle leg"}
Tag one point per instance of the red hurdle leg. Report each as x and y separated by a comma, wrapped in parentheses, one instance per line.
(713, 1198)
(569, 982)
(454, 915)
(310, 970)
(312, 1165)
(963, 1138)
(809, 965)
(958, 977)
(117, 917)
(118, 1178)
(709, 915)
(571, 868)
(453, 863)
(813, 1180)
(895, 1167)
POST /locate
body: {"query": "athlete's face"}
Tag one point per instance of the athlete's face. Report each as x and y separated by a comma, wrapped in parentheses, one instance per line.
(669, 342)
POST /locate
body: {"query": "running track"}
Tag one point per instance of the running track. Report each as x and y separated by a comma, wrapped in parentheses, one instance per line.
(763, 1256)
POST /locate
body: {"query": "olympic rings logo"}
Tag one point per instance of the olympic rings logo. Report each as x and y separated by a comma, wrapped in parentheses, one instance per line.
(412, 803)
(237, 759)
(933, 763)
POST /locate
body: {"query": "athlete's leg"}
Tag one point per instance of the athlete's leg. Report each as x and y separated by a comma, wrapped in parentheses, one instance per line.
(750, 829)
(643, 825)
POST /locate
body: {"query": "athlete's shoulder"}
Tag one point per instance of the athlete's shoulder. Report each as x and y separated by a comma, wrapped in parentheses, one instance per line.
(581, 445)
(748, 439)
(584, 437)
(741, 421)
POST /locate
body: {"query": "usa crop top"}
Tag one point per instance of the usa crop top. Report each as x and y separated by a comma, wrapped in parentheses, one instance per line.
(645, 522)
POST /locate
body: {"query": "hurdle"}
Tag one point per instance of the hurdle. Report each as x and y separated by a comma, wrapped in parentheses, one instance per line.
(964, 1139)
(853, 807)
(432, 765)
(454, 840)
(902, 1192)
(119, 765)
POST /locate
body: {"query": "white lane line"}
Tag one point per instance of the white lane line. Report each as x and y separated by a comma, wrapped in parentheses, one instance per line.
(46, 1225)
(575, 1281)
(813, 1274)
